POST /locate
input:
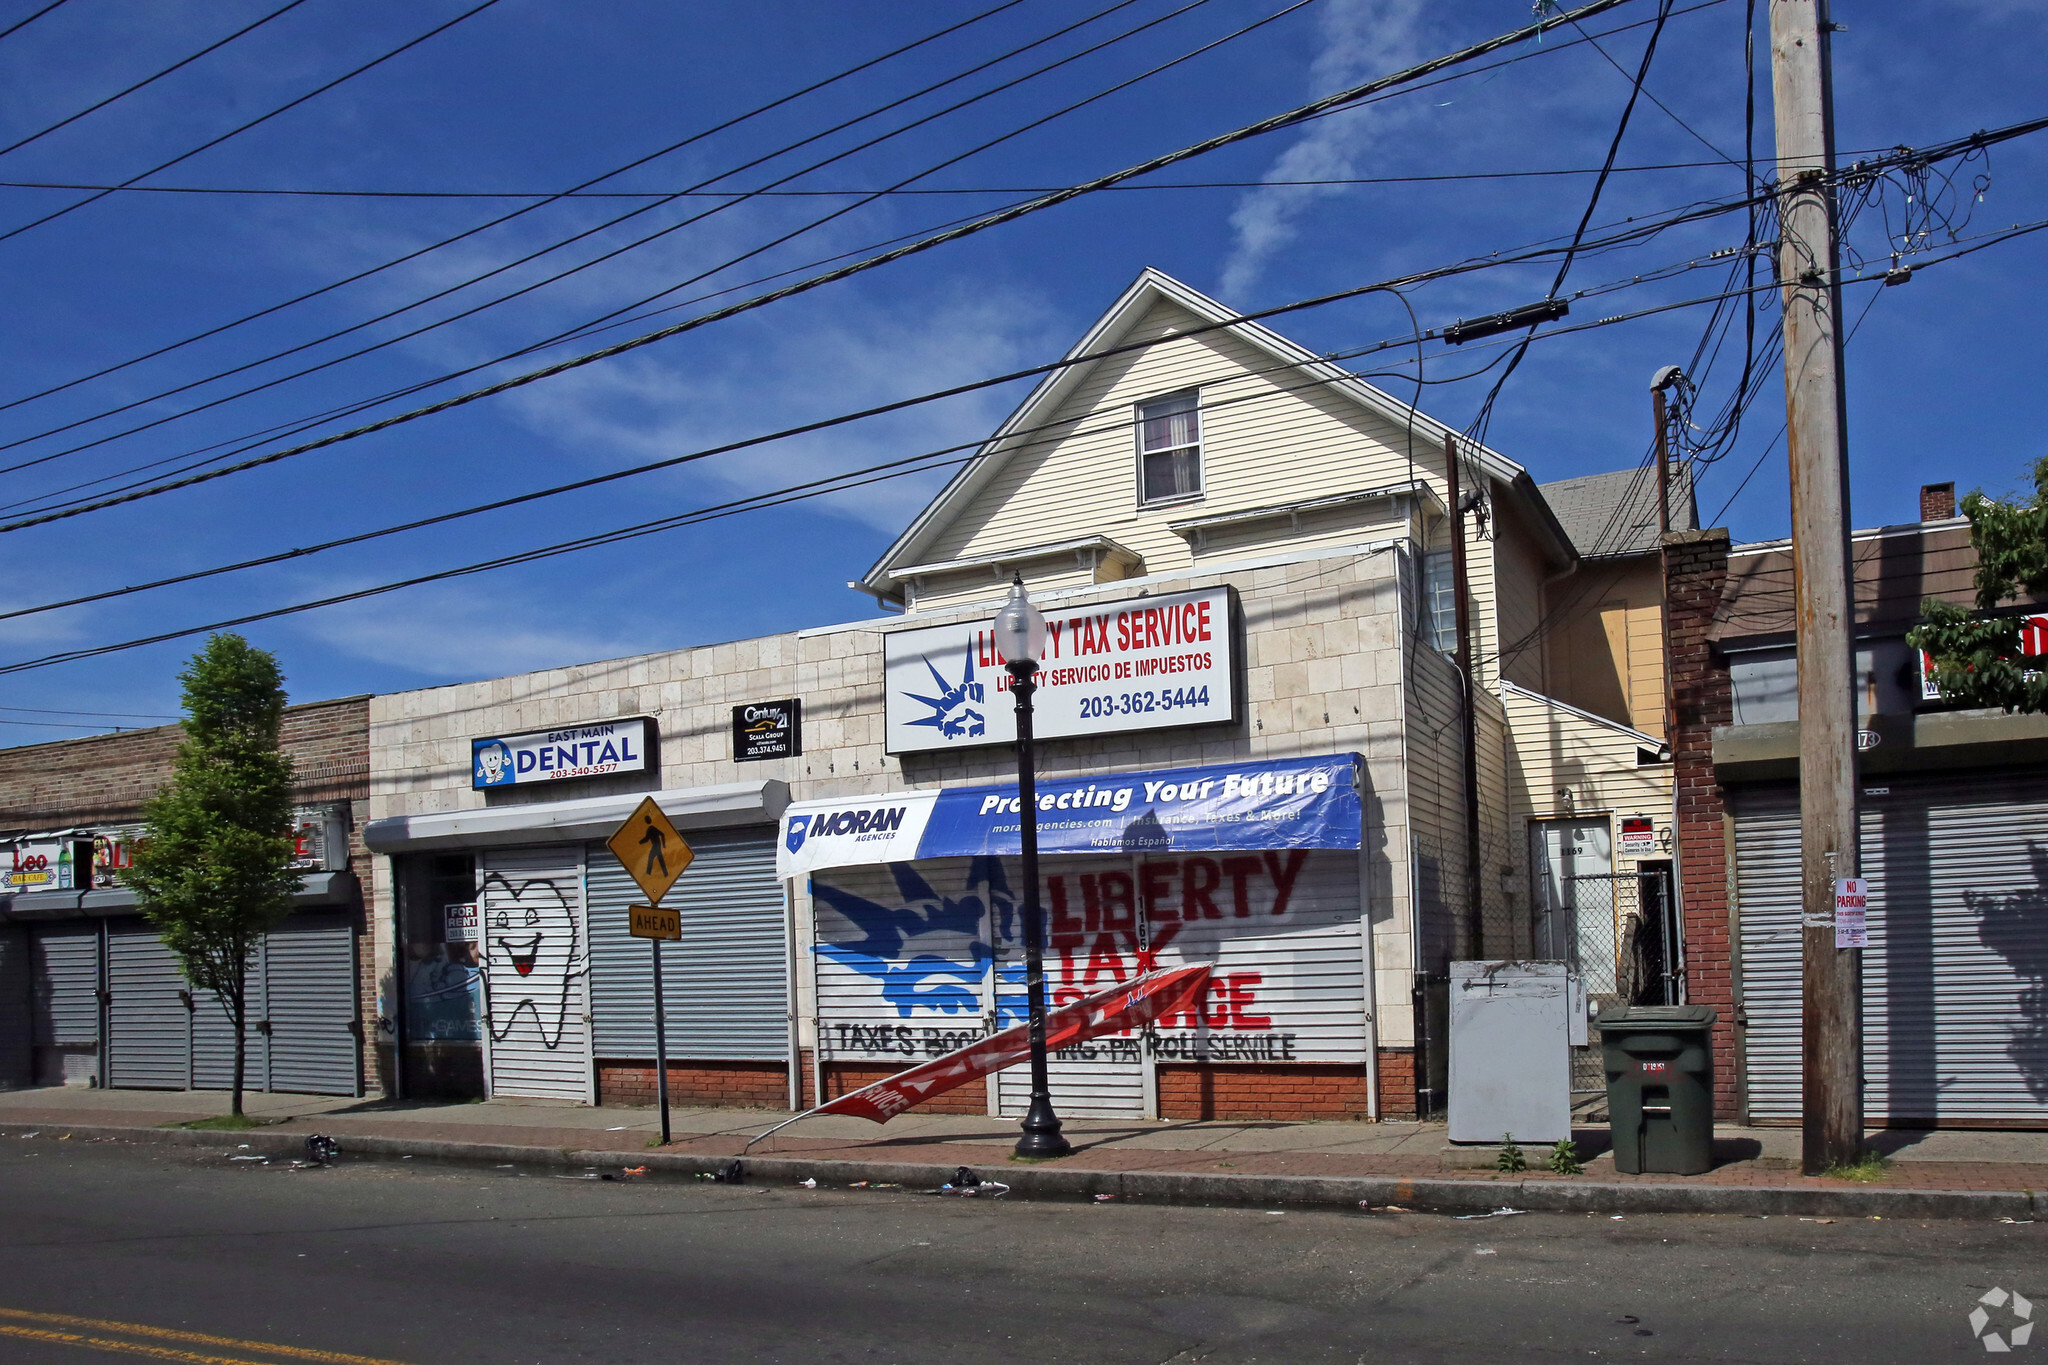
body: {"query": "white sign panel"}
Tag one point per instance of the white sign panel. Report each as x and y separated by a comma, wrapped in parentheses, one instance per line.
(600, 750)
(459, 922)
(37, 867)
(1145, 663)
(1852, 912)
(853, 829)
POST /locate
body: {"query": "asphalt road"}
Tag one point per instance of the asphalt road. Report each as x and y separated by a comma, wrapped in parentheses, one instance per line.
(139, 1252)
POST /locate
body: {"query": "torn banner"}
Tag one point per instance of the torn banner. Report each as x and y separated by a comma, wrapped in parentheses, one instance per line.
(1131, 1005)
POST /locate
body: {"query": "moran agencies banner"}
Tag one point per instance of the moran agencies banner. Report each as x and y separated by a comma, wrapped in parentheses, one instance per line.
(1277, 803)
(1145, 663)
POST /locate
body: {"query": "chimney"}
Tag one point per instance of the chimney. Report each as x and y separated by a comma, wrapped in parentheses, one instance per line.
(1937, 501)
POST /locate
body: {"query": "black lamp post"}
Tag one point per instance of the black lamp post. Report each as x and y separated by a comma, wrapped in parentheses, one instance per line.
(1020, 636)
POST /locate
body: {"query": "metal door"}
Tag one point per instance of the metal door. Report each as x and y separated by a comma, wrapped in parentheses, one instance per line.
(311, 1030)
(17, 1009)
(536, 967)
(724, 984)
(1956, 974)
(149, 1013)
(64, 969)
(213, 1034)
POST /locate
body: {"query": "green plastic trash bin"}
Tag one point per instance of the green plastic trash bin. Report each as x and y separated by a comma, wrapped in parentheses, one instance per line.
(1660, 1087)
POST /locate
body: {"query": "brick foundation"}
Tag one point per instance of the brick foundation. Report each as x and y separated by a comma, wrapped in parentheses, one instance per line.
(1695, 572)
(723, 1085)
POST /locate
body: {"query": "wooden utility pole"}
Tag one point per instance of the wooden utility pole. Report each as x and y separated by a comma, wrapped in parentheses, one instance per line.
(1468, 715)
(1809, 267)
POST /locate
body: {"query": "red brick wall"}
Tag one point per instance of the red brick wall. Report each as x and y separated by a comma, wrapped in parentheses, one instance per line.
(106, 779)
(1262, 1091)
(1695, 571)
(721, 1085)
(1397, 1083)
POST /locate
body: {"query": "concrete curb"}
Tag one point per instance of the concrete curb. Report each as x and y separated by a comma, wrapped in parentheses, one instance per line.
(1423, 1194)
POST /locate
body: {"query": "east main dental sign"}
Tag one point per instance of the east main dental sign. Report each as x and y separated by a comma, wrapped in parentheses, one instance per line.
(600, 750)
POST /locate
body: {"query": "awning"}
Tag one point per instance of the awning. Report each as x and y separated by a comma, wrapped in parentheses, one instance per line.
(597, 817)
(320, 888)
(1273, 804)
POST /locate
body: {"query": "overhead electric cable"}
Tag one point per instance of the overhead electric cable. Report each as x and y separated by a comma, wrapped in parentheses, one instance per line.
(543, 202)
(1417, 338)
(981, 224)
(24, 23)
(667, 523)
(238, 130)
(179, 65)
(601, 257)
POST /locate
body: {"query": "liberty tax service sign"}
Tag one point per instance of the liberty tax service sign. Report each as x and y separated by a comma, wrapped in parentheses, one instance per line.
(1145, 663)
(612, 746)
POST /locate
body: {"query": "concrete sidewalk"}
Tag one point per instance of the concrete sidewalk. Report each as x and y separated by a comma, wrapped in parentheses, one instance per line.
(1255, 1161)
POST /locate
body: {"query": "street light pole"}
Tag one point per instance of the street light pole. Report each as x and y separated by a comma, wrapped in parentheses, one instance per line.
(1020, 636)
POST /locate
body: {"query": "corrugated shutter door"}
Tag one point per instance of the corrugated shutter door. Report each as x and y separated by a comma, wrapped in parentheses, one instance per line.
(213, 1036)
(149, 1030)
(1958, 876)
(309, 975)
(903, 956)
(724, 984)
(536, 972)
(17, 1009)
(67, 978)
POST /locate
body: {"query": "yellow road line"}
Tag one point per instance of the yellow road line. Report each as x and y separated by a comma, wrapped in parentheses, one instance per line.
(125, 1347)
(168, 1334)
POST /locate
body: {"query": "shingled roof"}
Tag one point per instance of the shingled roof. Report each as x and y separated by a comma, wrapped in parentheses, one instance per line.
(1616, 514)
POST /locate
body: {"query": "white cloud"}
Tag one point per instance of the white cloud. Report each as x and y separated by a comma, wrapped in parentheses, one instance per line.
(474, 634)
(1361, 39)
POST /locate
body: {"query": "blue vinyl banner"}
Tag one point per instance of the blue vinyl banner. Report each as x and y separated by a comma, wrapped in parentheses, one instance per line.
(1274, 804)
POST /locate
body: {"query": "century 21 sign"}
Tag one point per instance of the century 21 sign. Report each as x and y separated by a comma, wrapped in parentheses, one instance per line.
(1143, 663)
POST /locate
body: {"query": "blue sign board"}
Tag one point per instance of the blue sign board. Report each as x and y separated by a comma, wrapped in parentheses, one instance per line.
(1273, 804)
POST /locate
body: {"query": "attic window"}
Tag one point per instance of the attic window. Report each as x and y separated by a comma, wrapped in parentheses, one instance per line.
(1170, 448)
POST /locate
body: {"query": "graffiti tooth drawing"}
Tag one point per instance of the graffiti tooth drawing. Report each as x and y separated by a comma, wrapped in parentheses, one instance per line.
(531, 928)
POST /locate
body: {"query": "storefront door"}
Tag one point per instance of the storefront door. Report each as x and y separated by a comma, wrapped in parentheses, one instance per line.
(536, 969)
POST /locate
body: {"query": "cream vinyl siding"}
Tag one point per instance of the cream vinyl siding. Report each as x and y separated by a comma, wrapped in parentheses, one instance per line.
(1553, 746)
(1288, 440)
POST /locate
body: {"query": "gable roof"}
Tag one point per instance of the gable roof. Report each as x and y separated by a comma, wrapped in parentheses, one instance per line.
(1616, 513)
(1103, 339)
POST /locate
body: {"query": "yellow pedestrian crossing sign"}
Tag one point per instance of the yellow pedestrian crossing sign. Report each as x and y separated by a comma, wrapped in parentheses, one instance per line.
(653, 853)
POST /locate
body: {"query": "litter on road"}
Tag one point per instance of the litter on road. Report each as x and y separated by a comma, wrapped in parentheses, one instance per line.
(1497, 1213)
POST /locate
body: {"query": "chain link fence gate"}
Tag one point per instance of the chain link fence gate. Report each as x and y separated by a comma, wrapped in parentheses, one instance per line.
(1615, 929)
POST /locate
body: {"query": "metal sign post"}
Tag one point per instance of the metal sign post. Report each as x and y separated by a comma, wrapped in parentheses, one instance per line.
(654, 853)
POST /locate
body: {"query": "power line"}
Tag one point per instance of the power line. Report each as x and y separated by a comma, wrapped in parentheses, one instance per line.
(612, 319)
(799, 492)
(113, 715)
(237, 131)
(1636, 231)
(595, 260)
(698, 136)
(1274, 123)
(844, 193)
(179, 65)
(24, 23)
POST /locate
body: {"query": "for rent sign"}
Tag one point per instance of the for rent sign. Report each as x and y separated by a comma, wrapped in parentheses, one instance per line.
(1141, 664)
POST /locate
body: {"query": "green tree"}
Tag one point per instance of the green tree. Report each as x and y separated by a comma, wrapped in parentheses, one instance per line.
(1976, 654)
(213, 869)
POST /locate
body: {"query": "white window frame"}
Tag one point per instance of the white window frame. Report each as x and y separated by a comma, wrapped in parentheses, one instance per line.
(1199, 448)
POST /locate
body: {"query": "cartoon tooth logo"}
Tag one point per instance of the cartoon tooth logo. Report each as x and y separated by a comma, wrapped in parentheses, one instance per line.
(493, 761)
(531, 929)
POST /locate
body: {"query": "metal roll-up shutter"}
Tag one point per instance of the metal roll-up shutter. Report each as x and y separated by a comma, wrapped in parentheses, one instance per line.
(1958, 873)
(724, 984)
(310, 998)
(904, 953)
(64, 969)
(17, 1009)
(213, 1035)
(149, 1028)
(536, 968)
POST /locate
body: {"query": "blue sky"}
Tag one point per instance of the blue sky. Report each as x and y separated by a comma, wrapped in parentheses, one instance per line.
(531, 98)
